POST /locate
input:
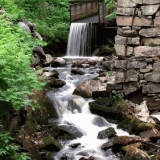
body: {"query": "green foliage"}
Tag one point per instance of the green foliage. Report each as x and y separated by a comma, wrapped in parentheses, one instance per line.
(9, 151)
(51, 16)
(110, 5)
(17, 79)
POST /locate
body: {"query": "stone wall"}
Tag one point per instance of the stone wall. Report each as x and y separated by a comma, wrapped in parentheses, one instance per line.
(137, 45)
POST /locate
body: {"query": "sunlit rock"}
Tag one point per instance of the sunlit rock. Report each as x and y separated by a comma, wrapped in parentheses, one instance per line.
(122, 51)
(146, 51)
(137, 1)
(24, 26)
(136, 154)
(150, 32)
(142, 113)
(125, 11)
(86, 88)
(149, 10)
(59, 62)
(49, 60)
(151, 1)
(125, 3)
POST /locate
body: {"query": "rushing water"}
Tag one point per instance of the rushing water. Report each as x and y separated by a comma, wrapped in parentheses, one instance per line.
(74, 111)
(82, 39)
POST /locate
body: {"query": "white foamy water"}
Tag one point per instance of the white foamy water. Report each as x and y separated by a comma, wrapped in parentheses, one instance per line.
(81, 39)
(74, 110)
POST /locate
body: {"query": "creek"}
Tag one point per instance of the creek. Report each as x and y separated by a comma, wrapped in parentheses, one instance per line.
(74, 110)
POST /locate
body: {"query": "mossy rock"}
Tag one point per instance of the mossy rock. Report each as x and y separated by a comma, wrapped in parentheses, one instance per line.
(106, 112)
(41, 116)
(66, 137)
(32, 149)
(133, 125)
(69, 130)
(52, 112)
(125, 123)
(109, 132)
(106, 101)
(30, 127)
(51, 144)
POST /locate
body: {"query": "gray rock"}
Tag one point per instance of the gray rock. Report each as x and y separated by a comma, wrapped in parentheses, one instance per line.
(137, 64)
(86, 88)
(152, 77)
(145, 70)
(125, 3)
(153, 88)
(151, 1)
(120, 77)
(157, 22)
(122, 51)
(131, 75)
(151, 42)
(49, 59)
(130, 87)
(137, 1)
(120, 64)
(36, 34)
(108, 65)
(109, 132)
(156, 67)
(59, 62)
(24, 26)
(146, 51)
(150, 32)
(127, 40)
(140, 76)
(149, 9)
(125, 11)
(70, 129)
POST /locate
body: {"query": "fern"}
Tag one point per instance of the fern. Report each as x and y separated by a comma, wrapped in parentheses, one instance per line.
(17, 79)
(9, 151)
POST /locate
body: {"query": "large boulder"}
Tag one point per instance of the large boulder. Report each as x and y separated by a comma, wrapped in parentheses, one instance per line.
(59, 62)
(86, 88)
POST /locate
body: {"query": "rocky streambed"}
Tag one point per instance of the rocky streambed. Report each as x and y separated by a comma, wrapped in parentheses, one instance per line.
(116, 114)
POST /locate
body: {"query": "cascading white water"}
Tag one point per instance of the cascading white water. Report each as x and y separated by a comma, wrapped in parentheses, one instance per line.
(74, 110)
(81, 39)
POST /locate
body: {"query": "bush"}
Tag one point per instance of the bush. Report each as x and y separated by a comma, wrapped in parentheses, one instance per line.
(17, 79)
(110, 5)
(9, 151)
(51, 16)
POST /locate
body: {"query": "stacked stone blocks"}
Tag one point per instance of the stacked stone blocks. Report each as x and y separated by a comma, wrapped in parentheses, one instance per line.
(137, 46)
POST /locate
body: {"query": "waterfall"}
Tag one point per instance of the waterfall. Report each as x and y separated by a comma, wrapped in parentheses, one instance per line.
(74, 113)
(82, 39)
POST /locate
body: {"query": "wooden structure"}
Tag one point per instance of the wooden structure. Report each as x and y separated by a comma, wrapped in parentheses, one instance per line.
(88, 11)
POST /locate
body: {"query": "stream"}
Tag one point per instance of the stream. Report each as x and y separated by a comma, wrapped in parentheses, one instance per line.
(74, 111)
